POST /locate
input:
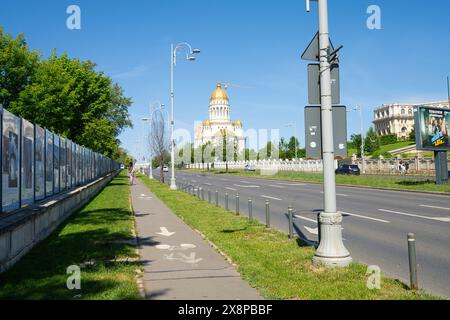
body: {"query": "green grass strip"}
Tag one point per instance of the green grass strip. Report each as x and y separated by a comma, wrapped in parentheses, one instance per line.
(92, 239)
(276, 266)
(409, 184)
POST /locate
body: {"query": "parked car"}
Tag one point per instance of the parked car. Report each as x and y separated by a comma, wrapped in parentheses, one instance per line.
(122, 167)
(165, 169)
(249, 167)
(350, 169)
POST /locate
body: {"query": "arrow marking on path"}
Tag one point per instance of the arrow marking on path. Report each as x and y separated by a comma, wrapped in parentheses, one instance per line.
(165, 233)
(314, 231)
(183, 258)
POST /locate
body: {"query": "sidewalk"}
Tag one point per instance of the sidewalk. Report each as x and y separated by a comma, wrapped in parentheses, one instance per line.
(178, 263)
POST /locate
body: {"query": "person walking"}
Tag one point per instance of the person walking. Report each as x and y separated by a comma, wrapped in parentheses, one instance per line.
(131, 174)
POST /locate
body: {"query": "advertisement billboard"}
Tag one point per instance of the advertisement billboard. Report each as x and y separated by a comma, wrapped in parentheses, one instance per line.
(10, 162)
(432, 129)
(39, 157)
(27, 163)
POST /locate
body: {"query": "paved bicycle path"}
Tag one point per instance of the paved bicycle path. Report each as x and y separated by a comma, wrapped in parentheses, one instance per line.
(178, 263)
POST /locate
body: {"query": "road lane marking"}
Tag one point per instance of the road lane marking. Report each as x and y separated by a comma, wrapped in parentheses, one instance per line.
(273, 198)
(364, 217)
(338, 194)
(314, 231)
(306, 219)
(240, 186)
(231, 189)
(245, 182)
(416, 215)
(433, 207)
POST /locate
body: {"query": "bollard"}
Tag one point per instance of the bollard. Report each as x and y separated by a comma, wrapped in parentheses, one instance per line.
(226, 201)
(209, 196)
(237, 204)
(203, 194)
(250, 209)
(291, 222)
(267, 214)
(198, 192)
(412, 261)
(217, 198)
(319, 229)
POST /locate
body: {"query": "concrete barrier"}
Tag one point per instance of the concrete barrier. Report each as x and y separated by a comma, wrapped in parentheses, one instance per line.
(21, 230)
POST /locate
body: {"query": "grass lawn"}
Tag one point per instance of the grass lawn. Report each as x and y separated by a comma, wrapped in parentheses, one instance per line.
(363, 181)
(276, 266)
(391, 147)
(92, 239)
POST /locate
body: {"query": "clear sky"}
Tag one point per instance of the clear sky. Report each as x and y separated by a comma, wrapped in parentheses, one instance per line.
(252, 43)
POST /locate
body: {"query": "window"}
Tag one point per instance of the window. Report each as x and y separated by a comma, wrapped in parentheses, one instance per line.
(403, 112)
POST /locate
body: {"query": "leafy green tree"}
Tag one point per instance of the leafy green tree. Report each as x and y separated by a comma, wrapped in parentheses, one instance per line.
(372, 141)
(356, 143)
(17, 67)
(71, 98)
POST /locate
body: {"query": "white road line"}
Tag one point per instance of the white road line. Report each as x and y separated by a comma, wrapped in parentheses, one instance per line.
(338, 194)
(245, 182)
(240, 186)
(314, 231)
(231, 189)
(433, 207)
(274, 186)
(306, 219)
(364, 217)
(416, 215)
(267, 197)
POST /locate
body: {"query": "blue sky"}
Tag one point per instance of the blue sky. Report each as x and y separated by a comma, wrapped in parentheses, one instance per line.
(253, 43)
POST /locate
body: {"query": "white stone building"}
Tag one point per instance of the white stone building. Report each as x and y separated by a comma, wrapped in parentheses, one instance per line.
(219, 122)
(398, 119)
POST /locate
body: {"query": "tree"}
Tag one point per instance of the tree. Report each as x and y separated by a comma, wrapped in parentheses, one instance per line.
(159, 141)
(412, 136)
(73, 100)
(372, 141)
(17, 67)
(356, 142)
(269, 151)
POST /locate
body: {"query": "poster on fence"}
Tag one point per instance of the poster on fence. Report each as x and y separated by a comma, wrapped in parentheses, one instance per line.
(49, 163)
(27, 163)
(69, 164)
(39, 183)
(56, 170)
(62, 163)
(10, 158)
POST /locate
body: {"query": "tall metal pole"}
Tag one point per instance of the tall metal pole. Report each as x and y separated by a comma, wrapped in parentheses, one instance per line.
(331, 251)
(173, 184)
(363, 138)
(448, 90)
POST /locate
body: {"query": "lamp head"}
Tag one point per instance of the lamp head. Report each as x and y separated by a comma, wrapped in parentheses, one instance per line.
(191, 59)
(196, 51)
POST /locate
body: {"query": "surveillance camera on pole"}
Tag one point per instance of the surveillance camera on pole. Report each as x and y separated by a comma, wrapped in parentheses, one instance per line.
(331, 251)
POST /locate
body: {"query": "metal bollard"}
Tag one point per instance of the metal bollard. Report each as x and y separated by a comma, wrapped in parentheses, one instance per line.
(267, 214)
(226, 201)
(203, 194)
(198, 192)
(217, 198)
(250, 209)
(237, 204)
(209, 196)
(412, 261)
(319, 229)
(291, 222)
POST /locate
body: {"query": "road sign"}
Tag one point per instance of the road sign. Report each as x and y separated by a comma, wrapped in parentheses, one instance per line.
(313, 128)
(314, 84)
(312, 52)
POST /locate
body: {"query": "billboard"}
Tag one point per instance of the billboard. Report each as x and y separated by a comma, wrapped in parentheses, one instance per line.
(39, 158)
(48, 163)
(10, 161)
(432, 129)
(27, 163)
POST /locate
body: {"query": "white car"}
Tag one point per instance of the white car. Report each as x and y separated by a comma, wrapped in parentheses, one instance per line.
(165, 169)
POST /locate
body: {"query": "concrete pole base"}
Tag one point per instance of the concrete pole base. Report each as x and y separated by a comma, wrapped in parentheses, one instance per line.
(173, 184)
(331, 252)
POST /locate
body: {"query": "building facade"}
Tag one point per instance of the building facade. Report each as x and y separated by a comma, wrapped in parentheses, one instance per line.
(398, 119)
(219, 123)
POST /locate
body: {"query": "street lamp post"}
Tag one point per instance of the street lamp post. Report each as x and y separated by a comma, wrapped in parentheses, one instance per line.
(173, 63)
(153, 109)
(331, 251)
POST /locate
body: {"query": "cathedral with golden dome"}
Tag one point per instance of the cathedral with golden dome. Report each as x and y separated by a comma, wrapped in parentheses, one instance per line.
(219, 123)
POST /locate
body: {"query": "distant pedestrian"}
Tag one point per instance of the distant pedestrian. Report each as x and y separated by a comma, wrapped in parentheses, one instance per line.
(131, 175)
(406, 167)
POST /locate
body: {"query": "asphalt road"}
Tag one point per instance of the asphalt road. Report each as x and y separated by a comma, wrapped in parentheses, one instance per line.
(375, 227)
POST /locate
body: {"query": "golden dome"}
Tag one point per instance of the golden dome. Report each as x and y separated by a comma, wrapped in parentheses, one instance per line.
(219, 93)
(238, 123)
(206, 123)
